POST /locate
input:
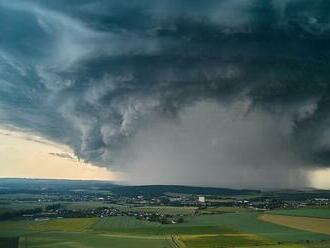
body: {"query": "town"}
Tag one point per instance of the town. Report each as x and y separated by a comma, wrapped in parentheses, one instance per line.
(163, 204)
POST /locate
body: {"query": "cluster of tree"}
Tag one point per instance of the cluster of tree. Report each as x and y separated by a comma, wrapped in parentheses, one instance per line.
(166, 220)
(158, 190)
(54, 207)
(163, 219)
(303, 196)
(19, 213)
(38, 186)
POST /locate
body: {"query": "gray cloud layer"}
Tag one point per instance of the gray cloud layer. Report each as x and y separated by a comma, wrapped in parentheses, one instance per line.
(218, 92)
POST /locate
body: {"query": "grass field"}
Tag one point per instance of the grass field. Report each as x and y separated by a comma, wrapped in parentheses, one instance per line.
(221, 210)
(20, 206)
(279, 246)
(307, 212)
(223, 240)
(322, 244)
(305, 223)
(205, 231)
(85, 205)
(249, 223)
(65, 225)
(15, 228)
(87, 240)
(122, 222)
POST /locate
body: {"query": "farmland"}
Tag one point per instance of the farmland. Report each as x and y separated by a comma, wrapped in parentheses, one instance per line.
(305, 212)
(126, 231)
(249, 223)
(168, 210)
(317, 225)
(230, 230)
(92, 240)
(90, 217)
(122, 222)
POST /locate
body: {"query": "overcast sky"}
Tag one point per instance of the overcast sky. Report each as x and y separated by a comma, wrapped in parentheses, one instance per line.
(225, 92)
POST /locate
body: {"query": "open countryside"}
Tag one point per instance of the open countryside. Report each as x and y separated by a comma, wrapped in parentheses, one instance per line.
(103, 215)
(197, 232)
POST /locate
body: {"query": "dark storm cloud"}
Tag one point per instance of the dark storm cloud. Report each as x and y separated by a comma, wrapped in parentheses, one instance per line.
(104, 76)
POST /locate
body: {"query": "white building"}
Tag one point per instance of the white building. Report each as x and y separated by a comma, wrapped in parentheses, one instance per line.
(201, 199)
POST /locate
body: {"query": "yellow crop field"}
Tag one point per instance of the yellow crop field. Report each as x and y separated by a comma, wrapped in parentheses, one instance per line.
(226, 240)
(304, 223)
(67, 225)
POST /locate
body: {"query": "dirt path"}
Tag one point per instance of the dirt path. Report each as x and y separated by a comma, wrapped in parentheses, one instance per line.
(176, 242)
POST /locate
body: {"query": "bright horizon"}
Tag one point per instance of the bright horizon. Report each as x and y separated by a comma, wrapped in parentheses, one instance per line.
(22, 153)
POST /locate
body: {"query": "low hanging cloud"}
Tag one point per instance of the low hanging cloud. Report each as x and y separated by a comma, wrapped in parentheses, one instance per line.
(228, 92)
(212, 145)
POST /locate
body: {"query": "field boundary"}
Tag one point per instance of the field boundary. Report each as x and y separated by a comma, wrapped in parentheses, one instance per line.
(177, 243)
(298, 215)
(311, 224)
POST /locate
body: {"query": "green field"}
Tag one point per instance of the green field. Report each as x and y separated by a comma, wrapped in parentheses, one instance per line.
(223, 240)
(81, 233)
(221, 210)
(305, 212)
(317, 225)
(249, 223)
(20, 206)
(85, 205)
(122, 222)
(138, 227)
(218, 230)
(64, 239)
(322, 244)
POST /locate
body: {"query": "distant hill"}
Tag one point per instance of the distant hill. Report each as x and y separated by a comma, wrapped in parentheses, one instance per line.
(36, 185)
(304, 195)
(156, 190)
(12, 185)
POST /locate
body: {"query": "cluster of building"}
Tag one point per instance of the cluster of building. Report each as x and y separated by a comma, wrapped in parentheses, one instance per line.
(114, 205)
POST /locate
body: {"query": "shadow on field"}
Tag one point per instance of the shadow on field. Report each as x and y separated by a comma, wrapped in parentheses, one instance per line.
(9, 242)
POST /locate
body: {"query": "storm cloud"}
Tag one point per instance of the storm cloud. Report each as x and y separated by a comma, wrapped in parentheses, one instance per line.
(226, 92)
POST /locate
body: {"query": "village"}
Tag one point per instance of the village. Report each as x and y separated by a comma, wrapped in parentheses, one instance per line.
(86, 204)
